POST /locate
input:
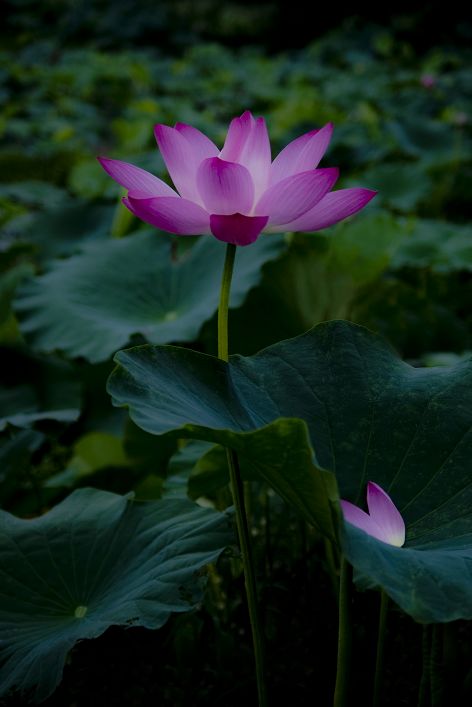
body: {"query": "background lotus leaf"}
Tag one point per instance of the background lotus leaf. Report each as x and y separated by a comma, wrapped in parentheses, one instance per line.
(96, 560)
(369, 415)
(91, 304)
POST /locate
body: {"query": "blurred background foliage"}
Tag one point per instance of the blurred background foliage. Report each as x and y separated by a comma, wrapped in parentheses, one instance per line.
(79, 79)
(173, 24)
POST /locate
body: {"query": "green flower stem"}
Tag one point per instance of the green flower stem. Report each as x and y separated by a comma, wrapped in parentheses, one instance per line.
(224, 302)
(379, 662)
(341, 689)
(237, 489)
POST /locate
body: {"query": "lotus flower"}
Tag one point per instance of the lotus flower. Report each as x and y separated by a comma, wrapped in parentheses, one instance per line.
(383, 521)
(237, 193)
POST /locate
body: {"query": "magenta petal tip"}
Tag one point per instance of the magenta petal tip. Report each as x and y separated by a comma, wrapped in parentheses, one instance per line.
(384, 521)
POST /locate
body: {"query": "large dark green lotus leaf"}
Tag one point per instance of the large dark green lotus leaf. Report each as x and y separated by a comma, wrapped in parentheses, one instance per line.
(370, 416)
(180, 391)
(91, 304)
(431, 581)
(96, 560)
(169, 389)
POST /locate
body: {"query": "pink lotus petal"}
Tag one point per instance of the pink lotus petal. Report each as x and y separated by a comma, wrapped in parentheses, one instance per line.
(180, 160)
(201, 145)
(238, 132)
(255, 155)
(237, 228)
(135, 179)
(302, 154)
(334, 207)
(356, 516)
(247, 143)
(385, 514)
(291, 197)
(225, 187)
(172, 214)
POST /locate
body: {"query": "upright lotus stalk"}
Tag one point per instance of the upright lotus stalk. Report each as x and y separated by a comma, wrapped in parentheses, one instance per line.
(237, 490)
(235, 194)
(341, 689)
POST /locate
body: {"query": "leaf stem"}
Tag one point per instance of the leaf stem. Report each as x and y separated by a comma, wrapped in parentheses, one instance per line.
(379, 662)
(344, 636)
(237, 489)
